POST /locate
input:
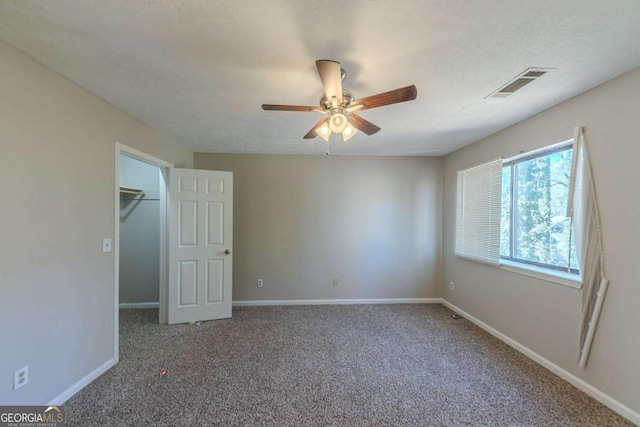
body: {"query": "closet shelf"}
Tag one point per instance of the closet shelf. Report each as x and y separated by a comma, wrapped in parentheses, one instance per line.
(126, 190)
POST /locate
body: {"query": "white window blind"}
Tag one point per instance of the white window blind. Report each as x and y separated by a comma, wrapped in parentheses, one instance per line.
(478, 213)
(583, 206)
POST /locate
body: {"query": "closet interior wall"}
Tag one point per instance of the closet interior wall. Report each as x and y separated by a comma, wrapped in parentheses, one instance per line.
(139, 233)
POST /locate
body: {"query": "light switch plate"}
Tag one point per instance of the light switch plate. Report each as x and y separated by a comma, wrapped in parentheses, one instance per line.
(106, 245)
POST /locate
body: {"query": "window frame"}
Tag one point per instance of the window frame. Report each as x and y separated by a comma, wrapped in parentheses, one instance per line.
(566, 276)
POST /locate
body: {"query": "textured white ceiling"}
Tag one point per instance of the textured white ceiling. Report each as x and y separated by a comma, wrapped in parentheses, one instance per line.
(199, 70)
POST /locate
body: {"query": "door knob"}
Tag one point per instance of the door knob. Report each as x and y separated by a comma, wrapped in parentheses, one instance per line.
(227, 252)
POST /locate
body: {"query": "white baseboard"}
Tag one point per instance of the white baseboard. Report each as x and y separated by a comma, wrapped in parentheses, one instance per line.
(127, 305)
(82, 383)
(580, 384)
(339, 301)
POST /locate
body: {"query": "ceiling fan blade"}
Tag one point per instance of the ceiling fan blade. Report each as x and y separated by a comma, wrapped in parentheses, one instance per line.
(387, 98)
(275, 107)
(331, 78)
(312, 133)
(363, 125)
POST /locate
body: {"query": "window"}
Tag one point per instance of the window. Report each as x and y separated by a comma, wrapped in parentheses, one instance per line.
(514, 212)
(534, 227)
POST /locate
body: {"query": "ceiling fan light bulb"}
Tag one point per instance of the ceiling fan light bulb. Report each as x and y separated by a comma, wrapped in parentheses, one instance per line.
(338, 122)
(349, 132)
(323, 131)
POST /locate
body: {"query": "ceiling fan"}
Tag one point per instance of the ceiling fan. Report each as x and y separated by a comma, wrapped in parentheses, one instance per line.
(339, 106)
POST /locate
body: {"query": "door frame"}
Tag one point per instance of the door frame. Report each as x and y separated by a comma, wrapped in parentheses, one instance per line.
(164, 189)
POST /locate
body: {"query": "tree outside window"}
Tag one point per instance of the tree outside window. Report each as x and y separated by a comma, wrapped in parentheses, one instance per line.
(534, 226)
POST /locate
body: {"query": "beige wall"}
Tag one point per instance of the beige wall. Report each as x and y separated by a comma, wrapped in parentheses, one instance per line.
(57, 187)
(300, 221)
(545, 316)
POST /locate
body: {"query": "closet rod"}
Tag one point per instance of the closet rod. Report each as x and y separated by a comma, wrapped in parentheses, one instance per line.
(126, 190)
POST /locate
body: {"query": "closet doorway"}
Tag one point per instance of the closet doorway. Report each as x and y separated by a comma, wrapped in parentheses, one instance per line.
(140, 245)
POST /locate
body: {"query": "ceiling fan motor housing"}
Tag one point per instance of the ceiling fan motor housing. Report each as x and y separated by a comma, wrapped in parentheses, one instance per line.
(347, 97)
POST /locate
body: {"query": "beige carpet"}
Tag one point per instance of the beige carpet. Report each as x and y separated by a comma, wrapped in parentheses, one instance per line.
(363, 365)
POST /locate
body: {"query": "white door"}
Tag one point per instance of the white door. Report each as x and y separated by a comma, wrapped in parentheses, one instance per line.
(200, 243)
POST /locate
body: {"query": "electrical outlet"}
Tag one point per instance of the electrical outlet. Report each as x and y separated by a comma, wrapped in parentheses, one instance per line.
(21, 378)
(335, 282)
(451, 285)
(260, 283)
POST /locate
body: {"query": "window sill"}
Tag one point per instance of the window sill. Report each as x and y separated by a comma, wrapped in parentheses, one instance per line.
(566, 279)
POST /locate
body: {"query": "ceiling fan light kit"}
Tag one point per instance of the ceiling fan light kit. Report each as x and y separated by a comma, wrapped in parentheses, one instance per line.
(339, 106)
(343, 127)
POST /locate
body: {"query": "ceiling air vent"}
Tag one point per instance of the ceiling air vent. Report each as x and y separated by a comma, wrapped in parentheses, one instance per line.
(526, 77)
